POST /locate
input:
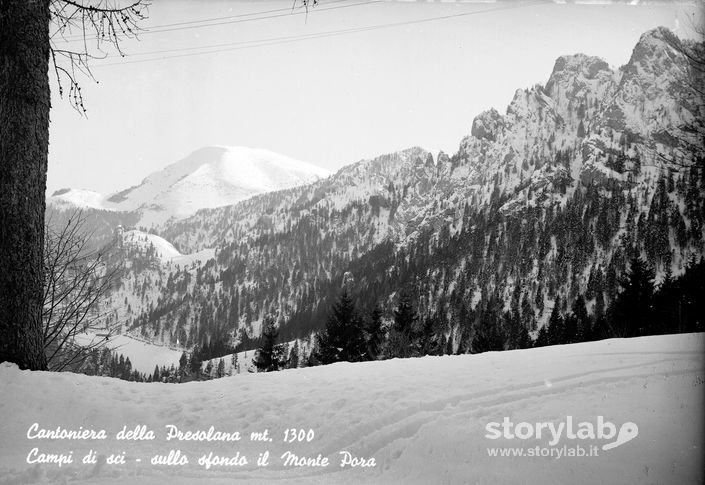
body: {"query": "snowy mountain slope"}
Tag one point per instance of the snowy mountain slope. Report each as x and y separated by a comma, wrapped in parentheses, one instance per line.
(351, 185)
(144, 261)
(422, 420)
(586, 112)
(549, 200)
(77, 198)
(209, 177)
(594, 115)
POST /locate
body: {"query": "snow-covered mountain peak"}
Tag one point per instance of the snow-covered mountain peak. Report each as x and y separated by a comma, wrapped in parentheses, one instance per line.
(218, 175)
(575, 78)
(265, 170)
(656, 60)
(77, 198)
(487, 125)
(210, 177)
(568, 66)
(652, 44)
(587, 104)
(657, 92)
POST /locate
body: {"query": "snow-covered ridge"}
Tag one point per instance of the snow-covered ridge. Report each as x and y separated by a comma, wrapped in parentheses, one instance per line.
(555, 144)
(81, 198)
(210, 177)
(163, 249)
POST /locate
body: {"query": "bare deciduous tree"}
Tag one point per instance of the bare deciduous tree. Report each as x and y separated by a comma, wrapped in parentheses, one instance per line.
(99, 24)
(691, 135)
(76, 281)
(27, 44)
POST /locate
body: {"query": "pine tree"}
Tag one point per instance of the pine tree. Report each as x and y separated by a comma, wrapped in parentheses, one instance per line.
(580, 314)
(487, 334)
(312, 360)
(268, 358)
(667, 302)
(234, 365)
(679, 303)
(528, 317)
(220, 371)
(208, 371)
(195, 362)
(449, 347)
(542, 337)
(465, 320)
(632, 311)
(402, 337)
(514, 330)
(538, 300)
(127, 370)
(692, 284)
(556, 326)
(600, 329)
(375, 334)
(404, 315)
(293, 360)
(570, 329)
(487, 337)
(343, 338)
(183, 364)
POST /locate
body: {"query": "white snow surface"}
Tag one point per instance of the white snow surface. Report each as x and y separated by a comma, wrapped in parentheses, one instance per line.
(79, 198)
(423, 420)
(144, 356)
(164, 249)
(210, 177)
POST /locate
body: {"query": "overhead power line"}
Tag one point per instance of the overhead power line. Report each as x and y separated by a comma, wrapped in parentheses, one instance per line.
(231, 44)
(227, 20)
(250, 44)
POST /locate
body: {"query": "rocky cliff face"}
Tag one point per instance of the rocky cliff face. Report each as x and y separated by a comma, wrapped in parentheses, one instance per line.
(549, 199)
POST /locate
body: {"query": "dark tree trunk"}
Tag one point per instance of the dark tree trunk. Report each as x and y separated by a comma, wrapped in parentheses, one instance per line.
(24, 145)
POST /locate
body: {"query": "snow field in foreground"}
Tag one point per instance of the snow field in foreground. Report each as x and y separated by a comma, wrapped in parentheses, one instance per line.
(422, 420)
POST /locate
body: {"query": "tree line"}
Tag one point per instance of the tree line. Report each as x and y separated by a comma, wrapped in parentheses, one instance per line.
(351, 334)
(641, 307)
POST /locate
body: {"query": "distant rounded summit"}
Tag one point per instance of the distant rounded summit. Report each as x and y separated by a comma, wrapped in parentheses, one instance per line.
(209, 177)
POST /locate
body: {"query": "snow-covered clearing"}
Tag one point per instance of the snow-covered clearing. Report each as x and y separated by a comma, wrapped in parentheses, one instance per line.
(143, 356)
(422, 420)
(165, 250)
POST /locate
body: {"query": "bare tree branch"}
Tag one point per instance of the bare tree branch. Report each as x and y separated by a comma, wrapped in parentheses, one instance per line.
(76, 282)
(111, 20)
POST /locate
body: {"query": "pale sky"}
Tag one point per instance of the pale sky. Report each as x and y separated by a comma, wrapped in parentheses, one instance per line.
(352, 79)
